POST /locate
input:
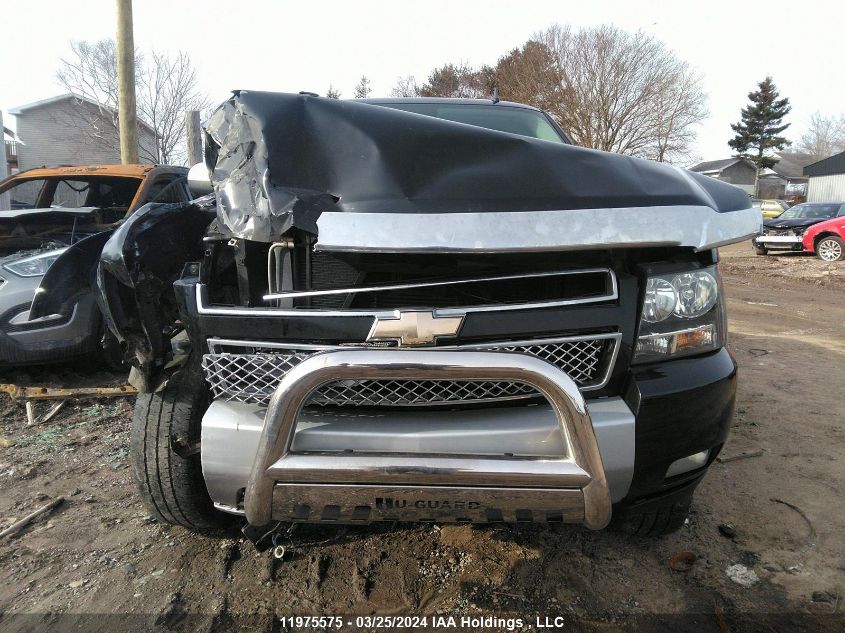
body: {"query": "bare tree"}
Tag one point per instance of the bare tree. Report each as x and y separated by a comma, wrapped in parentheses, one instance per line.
(165, 88)
(405, 87)
(90, 72)
(363, 89)
(530, 75)
(624, 92)
(682, 105)
(825, 136)
(332, 92)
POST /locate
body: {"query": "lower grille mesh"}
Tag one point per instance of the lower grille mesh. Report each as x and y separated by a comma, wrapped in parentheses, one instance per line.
(253, 377)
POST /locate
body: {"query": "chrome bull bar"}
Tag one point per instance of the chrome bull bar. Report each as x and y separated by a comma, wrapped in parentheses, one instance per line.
(348, 487)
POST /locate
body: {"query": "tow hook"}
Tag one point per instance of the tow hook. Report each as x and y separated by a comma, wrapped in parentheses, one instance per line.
(263, 537)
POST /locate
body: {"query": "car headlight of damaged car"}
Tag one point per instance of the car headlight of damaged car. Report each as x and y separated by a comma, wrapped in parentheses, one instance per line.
(33, 265)
(683, 314)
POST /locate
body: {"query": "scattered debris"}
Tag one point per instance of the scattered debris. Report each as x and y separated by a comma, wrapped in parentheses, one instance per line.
(78, 393)
(749, 558)
(824, 596)
(720, 617)
(743, 455)
(31, 419)
(682, 561)
(811, 537)
(15, 527)
(754, 351)
(742, 576)
(6, 442)
(76, 584)
(728, 530)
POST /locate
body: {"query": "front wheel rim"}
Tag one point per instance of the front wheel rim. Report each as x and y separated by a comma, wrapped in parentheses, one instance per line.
(830, 250)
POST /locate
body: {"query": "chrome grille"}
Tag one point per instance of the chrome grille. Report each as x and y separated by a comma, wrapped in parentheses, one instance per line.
(253, 377)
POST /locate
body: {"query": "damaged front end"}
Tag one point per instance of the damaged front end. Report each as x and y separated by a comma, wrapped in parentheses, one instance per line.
(316, 195)
(400, 315)
(139, 264)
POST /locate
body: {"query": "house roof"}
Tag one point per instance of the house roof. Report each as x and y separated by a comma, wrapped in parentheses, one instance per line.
(19, 110)
(715, 165)
(832, 165)
(791, 164)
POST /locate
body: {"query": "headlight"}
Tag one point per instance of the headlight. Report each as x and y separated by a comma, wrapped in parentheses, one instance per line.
(697, 293)
(33, 265)
(682, 315)
(660, 300)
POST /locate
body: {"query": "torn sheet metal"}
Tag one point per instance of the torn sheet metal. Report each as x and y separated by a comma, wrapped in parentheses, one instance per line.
(280, 161)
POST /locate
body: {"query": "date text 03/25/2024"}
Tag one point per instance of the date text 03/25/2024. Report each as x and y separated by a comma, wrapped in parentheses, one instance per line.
(413, 622)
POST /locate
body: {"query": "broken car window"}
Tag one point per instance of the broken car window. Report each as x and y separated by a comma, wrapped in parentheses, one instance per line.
(72, 193)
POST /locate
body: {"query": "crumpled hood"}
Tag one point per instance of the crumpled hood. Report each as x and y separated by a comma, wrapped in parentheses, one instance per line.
(774, 223)
(280, 160)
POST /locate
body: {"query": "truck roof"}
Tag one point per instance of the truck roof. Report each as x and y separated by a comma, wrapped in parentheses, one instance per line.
(451, 101)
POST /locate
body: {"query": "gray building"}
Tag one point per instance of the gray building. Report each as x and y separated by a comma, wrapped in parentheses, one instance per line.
(736, 171)
(827, 179)
(72, 130)
(786, 179)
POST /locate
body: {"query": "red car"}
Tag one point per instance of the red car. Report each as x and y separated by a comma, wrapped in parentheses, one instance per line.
(826, 239)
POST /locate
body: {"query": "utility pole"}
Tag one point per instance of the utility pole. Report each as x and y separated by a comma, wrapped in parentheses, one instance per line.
(193, 136)
(126, 84)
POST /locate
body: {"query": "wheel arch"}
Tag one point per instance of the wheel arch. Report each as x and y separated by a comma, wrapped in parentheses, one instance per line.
(818, 238)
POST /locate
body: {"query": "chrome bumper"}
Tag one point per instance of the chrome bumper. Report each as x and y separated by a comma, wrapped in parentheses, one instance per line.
(349, 487)
(779, 239)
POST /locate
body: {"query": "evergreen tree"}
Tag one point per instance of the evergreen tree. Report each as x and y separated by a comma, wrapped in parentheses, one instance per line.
(759, 130)
(332, 92)
(363, 89)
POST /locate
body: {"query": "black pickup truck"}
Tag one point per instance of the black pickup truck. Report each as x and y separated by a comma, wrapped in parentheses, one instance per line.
(423, 309)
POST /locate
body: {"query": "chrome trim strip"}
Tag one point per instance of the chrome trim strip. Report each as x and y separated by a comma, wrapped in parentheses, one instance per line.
(214, 345)
(425, 284)
(203, 307)
(580, 468)
(696, 226)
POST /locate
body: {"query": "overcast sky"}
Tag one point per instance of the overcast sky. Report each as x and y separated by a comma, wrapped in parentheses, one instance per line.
(293, 46)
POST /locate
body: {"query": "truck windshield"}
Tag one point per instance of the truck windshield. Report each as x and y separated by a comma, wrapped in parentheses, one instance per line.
(503, 118)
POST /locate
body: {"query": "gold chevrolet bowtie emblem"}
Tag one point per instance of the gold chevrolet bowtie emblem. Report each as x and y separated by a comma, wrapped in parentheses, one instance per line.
(414, 328)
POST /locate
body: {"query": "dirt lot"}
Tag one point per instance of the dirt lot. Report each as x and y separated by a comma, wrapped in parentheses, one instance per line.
(99, 553)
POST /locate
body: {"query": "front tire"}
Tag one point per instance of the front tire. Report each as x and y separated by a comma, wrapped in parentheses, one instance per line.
(830, 249)
(760, 250)
(167, 467)
(657, 520)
